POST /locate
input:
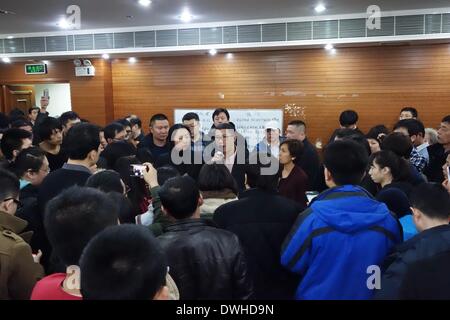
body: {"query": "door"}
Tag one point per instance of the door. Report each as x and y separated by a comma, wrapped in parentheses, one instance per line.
(20, 97)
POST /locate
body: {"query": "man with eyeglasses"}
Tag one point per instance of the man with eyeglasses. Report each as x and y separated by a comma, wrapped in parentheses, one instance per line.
(20, 269)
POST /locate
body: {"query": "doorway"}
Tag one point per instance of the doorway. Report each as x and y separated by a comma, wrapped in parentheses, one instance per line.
(25, 96)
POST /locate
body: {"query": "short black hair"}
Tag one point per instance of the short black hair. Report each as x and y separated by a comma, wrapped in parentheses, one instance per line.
(226, 126)
(16, 113)
(189, 116)
(446, 119)
(117, 150)
(179, 196)
(216, 177)
(413, 126)
(156, 117)
(123, 263)
(67, 116)
(297, 123)
(348, 118)
(28, 159)
(166, 172)
(74, 217)
(432, 199)
(21, 123)
(412, 110)
(295, 147)
(377, 132)
(12, 140)
(106, 181)
(33, 108)
(255, 178)
(9, 185)
(124, 122)
(134, 121)
(343, 133)
(219, 111)
(112, 129)
(47, 127)
(358, 138)
(347, 161)
(81, 139)
(398, 143)
(126, 210)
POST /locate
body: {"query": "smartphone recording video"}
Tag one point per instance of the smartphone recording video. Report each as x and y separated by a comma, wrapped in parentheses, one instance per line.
(137, 170)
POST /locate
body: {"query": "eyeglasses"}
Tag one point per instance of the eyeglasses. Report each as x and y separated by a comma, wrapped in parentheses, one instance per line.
(17, 202)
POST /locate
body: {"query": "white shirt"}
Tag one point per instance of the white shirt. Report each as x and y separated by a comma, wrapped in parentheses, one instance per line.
(229, 162)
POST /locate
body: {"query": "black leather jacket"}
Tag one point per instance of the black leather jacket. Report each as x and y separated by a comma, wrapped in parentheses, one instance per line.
(207, 263)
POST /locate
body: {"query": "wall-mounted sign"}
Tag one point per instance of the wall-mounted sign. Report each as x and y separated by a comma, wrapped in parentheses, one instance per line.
(38, 68)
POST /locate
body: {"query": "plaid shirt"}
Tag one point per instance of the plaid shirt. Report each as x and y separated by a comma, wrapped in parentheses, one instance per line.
(417, 160)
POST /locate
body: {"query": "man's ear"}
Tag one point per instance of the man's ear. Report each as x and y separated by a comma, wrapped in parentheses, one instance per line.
(327, 174)
(417, 216)
(4, 206)
(200, 201)
(15, 153)
(162, 294)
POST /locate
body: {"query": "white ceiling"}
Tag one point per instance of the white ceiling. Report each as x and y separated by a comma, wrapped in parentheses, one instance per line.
(42, 15)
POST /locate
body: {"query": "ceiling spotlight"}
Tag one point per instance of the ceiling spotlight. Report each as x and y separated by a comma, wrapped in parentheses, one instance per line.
(132, 60)
(6, 60)
(105, 56)
(213, 52)
(333, 51)
(230, 55)
(9, 37)
(329, 46)
(45, 61)
(320, 8)
(63, 24)
(145, 3)
(186, 16)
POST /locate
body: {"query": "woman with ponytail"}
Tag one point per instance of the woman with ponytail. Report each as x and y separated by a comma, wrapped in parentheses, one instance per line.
(390, 171)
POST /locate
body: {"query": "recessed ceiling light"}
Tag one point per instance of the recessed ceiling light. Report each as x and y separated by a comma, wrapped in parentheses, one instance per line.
(186, 15)
(213, 52)
(132, 60)
(10, 37)
(145, 3)
(333, 51)
(6, 60)
(63, 24)
(105, 56)
(329, 46)
(45, 61)
(230, 55)
(320, 8)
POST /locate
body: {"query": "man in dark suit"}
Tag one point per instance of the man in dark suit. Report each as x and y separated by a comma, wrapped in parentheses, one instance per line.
(262, 219)
(228, 148)
(309, 161)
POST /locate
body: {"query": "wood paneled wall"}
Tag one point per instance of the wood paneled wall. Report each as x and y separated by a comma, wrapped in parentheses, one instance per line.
(375, 81)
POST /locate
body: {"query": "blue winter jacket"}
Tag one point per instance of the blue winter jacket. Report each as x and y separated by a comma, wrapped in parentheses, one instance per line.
(335, 241)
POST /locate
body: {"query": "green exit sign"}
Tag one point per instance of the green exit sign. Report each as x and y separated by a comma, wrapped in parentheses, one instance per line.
(39, 68)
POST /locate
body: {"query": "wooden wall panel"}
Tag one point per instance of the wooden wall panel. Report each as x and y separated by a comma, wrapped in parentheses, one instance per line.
(375, 81)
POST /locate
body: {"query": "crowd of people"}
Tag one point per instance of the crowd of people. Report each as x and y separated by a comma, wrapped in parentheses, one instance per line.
(109, 213)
